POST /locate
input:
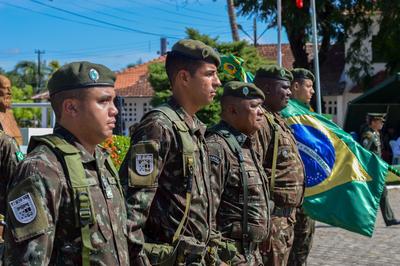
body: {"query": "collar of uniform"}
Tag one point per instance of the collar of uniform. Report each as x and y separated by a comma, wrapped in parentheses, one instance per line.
(69, 137)
(239, 136)
(192, 122)
(305, 105)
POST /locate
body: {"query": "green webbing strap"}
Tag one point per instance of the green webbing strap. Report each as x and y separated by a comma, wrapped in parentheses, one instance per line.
(188, 148)
(81, 194)
(237, 150)
(114, 172)
(275, 150)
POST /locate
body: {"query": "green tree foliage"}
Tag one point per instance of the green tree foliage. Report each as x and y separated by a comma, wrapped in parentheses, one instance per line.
(26, 73)
(209, 114)
(24, 116)
(337, 20)
(388, 39)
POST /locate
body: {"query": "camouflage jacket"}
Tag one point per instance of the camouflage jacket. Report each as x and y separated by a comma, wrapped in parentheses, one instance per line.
(10, 155)
(42, 228)
(289, 177)
(156, 195)
(227, 186)
(371, 141)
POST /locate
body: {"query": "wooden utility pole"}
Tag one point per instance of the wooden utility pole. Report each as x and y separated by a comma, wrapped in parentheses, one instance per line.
(232, 21)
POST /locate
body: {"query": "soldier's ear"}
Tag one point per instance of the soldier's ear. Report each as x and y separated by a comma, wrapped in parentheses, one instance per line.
(183, 75)
(70, 107)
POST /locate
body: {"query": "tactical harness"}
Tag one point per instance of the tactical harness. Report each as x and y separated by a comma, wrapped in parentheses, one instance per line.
(237, 150)
(70, 159)
(187, 145)
(276, 133)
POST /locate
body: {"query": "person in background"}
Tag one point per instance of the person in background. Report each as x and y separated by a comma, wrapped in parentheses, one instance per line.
(371, 140)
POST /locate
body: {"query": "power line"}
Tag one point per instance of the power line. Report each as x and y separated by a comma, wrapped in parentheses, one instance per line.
(61, 18)
(177, 13)
(102, 13)
(104, 22)
(192, 10)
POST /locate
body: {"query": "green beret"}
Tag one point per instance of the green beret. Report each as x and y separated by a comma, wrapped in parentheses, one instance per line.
(79, 75)
(242, 90)
(196, 50)
(302, 73)
(274, 72)
(381, 116)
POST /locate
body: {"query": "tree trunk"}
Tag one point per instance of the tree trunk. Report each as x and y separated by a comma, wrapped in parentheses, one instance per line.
(232, 20)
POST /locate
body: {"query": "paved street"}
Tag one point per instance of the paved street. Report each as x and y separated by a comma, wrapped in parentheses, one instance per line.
(335, 246)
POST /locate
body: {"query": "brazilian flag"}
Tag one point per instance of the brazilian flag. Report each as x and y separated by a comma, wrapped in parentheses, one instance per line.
(344, 182)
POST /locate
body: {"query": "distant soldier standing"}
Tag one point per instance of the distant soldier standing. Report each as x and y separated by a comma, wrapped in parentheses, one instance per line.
(65, 204)
(302, 92)
(371, 140)
(239, 183)
(10, 154)
(282, 164)
(166, 171)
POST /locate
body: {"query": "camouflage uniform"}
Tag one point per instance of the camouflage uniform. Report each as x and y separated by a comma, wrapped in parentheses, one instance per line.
(10, 155)
(371, 140)
(53, 235)
(227, 188)
(304, 230)
(156, 198)
(288, 191)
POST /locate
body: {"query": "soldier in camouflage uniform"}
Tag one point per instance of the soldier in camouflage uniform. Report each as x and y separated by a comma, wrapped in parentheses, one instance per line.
(239, 183)
(281, 162)
(371, 140)
(10, 154)
(302, 92)
(65, 205)
(165, 173)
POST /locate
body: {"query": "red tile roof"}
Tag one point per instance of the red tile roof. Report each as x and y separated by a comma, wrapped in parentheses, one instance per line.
(133, 81)
(270, 51)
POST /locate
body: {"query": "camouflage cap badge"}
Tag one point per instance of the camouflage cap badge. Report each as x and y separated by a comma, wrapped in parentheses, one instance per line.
(196, 50)
(302, 73)
(242, 90)
(79, 75)
(274, 72)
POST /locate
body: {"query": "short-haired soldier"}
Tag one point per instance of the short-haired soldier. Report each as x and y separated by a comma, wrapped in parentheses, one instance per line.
(65, 204)
(239, 183)
(282, 163)
(166, 171)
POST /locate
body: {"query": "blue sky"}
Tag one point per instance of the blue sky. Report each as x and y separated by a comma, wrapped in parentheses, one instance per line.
(115, 33)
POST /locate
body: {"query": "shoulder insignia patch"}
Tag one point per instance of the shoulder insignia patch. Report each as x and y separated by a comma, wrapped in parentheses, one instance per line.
(24, 208)
(20, 156)
(215, 159)
(144, 163)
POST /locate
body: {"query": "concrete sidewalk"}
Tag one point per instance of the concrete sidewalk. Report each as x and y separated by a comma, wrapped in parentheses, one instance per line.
(335, 246)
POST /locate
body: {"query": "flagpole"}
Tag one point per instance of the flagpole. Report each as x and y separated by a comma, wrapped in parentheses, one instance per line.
(279, 18)
(316, 60)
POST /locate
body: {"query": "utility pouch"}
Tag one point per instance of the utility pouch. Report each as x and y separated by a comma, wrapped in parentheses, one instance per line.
(189, 251)
(160, 254)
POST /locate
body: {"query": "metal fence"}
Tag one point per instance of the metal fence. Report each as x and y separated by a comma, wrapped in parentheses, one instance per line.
(44, 111)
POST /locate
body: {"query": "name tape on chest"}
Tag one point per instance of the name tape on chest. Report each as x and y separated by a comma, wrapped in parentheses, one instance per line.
(24, 208)
(144, 163)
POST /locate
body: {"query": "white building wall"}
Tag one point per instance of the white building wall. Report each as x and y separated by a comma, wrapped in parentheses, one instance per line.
(367, 48)
(337, 106)
(134, 109)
